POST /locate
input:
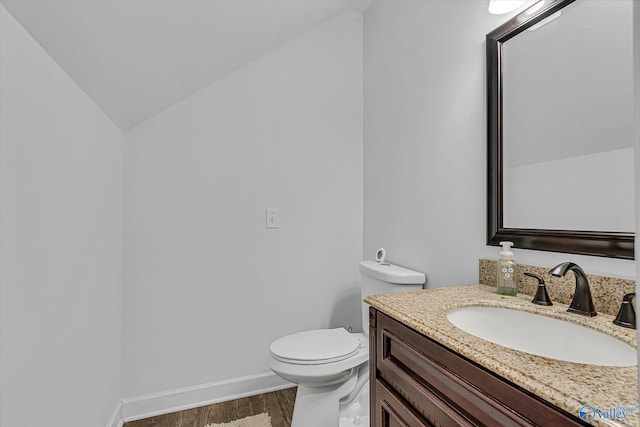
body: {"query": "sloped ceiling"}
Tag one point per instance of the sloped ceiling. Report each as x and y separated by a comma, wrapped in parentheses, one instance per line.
(135, 58)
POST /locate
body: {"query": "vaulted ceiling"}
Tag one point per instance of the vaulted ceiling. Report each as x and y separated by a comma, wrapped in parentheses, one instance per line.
(135, 58)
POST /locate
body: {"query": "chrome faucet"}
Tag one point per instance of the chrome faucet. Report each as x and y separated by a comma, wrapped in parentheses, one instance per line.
(582, 302)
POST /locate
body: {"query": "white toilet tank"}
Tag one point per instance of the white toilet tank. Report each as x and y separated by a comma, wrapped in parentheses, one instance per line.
(385, 278)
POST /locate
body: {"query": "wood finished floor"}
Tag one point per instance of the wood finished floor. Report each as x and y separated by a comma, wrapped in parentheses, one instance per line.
(278, 404)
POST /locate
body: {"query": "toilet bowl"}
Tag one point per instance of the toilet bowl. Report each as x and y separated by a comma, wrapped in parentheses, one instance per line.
(331, 366)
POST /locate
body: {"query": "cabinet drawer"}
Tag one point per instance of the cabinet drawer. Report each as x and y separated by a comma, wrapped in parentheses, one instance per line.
(446, 389)
(391, 411)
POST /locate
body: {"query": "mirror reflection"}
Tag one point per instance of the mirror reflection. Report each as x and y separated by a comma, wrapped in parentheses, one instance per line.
(568, 131)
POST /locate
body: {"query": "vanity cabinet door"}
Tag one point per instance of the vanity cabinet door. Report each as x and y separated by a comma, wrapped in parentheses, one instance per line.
(442, 388)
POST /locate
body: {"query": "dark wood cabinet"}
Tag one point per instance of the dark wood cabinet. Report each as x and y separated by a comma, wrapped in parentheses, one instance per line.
(415, 382)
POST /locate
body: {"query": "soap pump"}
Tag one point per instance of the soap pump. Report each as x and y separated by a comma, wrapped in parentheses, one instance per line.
(507, 270)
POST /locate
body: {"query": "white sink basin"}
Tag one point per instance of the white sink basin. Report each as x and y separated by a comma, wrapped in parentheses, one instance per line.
(543, 336)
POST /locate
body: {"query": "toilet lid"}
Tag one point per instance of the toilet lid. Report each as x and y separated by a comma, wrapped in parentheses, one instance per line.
(316, 347)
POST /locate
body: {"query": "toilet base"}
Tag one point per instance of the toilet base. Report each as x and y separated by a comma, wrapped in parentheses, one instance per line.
(344, 406)
(356, 412)
(355, 422)
(320, 406)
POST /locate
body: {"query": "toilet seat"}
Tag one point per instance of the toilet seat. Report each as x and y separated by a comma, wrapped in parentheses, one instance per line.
(317, 347)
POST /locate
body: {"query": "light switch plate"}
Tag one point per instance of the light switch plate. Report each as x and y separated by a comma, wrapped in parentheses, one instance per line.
(273, 218)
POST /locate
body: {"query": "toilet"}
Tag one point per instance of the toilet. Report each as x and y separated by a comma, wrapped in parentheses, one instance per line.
(331, 366)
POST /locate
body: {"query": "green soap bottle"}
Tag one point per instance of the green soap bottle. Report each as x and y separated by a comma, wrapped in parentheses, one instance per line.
(507, 271)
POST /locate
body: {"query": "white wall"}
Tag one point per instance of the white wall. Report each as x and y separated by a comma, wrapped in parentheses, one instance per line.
(60, 255)
(207, 287)
(425, 141)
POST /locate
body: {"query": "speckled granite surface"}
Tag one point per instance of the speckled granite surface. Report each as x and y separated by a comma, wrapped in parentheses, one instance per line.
(564, 384)
(606, 292)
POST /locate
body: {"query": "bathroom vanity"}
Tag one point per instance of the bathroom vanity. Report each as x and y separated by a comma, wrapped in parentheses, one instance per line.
(428, 372)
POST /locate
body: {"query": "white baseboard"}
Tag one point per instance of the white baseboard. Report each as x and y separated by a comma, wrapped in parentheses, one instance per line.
(149, 405)
(116, 417)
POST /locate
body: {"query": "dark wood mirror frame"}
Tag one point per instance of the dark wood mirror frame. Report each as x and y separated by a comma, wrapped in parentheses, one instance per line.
(596, 243)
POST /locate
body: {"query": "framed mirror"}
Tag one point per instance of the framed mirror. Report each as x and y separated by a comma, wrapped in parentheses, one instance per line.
(560, 129)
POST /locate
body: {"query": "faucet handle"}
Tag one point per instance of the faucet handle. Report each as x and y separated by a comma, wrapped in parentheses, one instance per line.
(541, 297)
(626, 315)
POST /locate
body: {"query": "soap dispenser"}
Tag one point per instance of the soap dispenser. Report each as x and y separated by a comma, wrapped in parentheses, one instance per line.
(507, 270)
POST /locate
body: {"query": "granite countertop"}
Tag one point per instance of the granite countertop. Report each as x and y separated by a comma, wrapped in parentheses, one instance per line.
(566, 385)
